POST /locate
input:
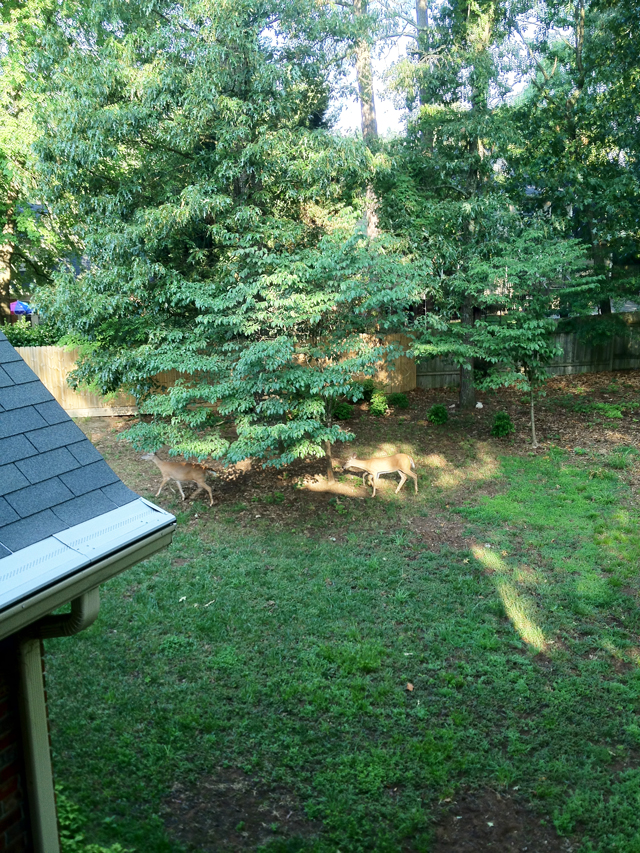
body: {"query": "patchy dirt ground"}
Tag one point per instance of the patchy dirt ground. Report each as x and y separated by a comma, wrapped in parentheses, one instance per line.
(460, 460)
(231, 812)
(439, 530)
(489, 822)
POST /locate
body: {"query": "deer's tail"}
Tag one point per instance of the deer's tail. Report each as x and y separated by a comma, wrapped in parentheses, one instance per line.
(413, 464)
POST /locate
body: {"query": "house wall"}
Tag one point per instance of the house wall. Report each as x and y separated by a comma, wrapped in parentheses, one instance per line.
(14, 828)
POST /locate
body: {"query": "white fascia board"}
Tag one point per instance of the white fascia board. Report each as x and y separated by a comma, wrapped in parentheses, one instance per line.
(25, 572)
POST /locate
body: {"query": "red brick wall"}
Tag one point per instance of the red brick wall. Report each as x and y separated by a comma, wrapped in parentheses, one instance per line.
(14, 834)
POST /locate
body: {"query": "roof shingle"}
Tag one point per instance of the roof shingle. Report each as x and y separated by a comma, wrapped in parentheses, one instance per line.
(51, 476)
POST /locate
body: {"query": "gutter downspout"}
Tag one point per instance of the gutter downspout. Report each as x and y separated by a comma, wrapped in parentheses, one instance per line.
(84, 612)
(33, 713)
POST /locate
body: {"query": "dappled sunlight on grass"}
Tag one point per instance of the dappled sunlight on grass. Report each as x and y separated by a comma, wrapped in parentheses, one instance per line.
(518, 607)
(484, 467)
(435, 460)
(620, 538)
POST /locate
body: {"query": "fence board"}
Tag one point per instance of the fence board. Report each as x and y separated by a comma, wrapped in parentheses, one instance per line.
(621, 352)
(52, 366)
(403, 375)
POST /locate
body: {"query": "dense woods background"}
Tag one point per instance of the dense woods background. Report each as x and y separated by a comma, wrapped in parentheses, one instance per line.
(173, 196)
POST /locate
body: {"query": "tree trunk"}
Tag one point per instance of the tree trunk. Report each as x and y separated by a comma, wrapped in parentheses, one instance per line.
(327, 455)
(534, 440)
(422, 23)
(5, 280)
(467, 398)
(599, 264)
(365, 80)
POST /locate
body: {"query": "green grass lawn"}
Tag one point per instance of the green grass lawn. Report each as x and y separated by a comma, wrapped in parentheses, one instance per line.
(289, 657)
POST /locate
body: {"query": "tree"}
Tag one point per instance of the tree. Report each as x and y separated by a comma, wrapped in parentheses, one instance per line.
(222, 226)
(530, 276)
(30, 241)
(579, 132)
(448, 172)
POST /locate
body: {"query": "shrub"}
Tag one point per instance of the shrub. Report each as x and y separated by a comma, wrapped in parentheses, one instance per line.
(369, 387)
(343, 412)
(502, 425)
(438, 414)
(23, 334)
(399, 401)
(379, 406)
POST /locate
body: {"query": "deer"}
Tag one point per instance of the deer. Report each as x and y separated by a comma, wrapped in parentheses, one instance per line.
(181, 472)
(373, 468)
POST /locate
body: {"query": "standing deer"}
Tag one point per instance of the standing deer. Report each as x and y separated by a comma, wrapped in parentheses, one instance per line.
(181, 472)
(399, 462)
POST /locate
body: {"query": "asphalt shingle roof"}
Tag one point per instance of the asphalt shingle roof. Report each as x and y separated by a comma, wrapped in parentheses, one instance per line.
(51, 476)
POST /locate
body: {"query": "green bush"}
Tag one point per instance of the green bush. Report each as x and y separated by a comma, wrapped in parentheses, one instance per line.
(502, 425)
(23, 334)
(438, 414)
(343, 412)
(369, 387)
(379, 405)
(398, 400)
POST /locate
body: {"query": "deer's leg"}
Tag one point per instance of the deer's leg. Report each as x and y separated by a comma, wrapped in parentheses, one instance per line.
(165, 480)
(199, 489)
(374, 478)
(180, 488)
(208, 488)
(403, 480)
(415, 480)
(364, 479)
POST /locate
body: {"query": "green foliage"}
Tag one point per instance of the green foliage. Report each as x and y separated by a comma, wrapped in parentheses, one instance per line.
(71, 822)
(23, 334)
(623, 458)
(438, 414)
(33, 239)
(227, 244)
(378, 406)
(502, 425)
(343, 412)
(398, 400)
(368, 387)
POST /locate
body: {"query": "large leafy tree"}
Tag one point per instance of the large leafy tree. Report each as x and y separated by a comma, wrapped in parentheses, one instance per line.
(31, 241)
(461, 193)
(222, 224)
(580, 135)
(446, 191)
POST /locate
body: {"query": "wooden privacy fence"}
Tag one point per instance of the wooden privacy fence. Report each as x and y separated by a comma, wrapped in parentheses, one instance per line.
(621, 352)
(52, 365)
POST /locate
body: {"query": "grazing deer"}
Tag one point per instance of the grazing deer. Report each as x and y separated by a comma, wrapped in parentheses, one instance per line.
(399, 462)
(181, 472)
